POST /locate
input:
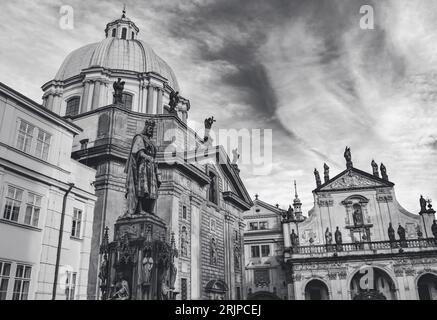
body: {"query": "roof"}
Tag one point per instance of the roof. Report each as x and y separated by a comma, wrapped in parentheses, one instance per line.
(351, 179)
(116, 54)
(38, 109)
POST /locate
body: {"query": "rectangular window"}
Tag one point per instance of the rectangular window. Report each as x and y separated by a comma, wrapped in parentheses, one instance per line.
(253, 226)
(184, 289)
(255, 251)
(42, 145)
(25, 136)
(5, 270)
(184, 212)
(33, 209)
(70, 285)
(263, 225)
(76, 225)
(13, 204)
(22, 282)
(265, 250)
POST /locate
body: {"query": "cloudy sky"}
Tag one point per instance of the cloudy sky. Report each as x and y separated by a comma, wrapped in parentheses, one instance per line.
(304, 69)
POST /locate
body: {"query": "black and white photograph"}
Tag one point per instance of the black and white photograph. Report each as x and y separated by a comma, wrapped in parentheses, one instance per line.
(218, 150)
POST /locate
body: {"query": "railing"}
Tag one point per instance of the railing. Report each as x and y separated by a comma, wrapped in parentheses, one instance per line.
(364, 246)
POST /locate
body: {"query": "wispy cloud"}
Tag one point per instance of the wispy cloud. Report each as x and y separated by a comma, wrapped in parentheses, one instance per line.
(302, 68)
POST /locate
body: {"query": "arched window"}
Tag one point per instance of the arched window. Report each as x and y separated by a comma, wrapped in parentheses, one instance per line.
(73, 106)
(124, 33)
(114, 32)
(133, 35)
(127, 101)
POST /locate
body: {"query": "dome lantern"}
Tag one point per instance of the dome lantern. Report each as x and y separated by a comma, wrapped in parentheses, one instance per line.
(122, 28)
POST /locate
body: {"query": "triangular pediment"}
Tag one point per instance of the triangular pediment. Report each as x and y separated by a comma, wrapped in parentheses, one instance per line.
(354, 179)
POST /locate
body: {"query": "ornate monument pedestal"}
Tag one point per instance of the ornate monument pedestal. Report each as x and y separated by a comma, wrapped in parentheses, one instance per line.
(139, 263)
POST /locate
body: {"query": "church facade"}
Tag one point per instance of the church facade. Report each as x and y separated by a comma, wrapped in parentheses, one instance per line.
(358, 242)
(201, 198)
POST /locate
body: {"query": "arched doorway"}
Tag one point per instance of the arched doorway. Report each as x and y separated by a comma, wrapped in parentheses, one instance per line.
(316, 290)
(427, 287)
(372, 284)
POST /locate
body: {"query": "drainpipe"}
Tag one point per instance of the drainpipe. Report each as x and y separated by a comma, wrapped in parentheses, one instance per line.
(61, 231)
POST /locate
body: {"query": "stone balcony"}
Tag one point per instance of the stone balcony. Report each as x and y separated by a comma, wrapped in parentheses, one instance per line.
(361, 249)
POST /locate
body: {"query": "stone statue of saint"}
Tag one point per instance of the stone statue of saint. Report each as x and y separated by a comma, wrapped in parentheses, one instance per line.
(326, 171)
(290, 214)
(148, 264)
(375, 169)
(294, 239)
(142, 180)
(391, 233)
(317, 175)
(237, 256)
(384, 172)
(434, 229)
(184, 242)
(208, 125)
(348, 157)
(338, 236)
(121, 288)
(118, 91)
(422, 204)
(419, 232)
(236, 156)
(174, 101)
(402, 235)
(358, 216)
(213, 251)
(328, 236)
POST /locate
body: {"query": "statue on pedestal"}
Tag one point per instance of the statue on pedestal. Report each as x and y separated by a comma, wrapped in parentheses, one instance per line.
(358, 216)
(142, 181)
(328, 237)
(384, 172)
(213, 252)
(326, 172)
(375, 169)
(236, 156)
(338, 236)
(174, 101)
(208, 125)
(148, 265)
(118, 91)
(348, 157)
(391, 233)
(317, 175)
(338, 239)
(402, 235)
(419, 232)
(294, 239)
(422, 204)
(121, 288)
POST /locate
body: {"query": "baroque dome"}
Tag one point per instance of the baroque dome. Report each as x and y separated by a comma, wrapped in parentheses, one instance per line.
(116, 54)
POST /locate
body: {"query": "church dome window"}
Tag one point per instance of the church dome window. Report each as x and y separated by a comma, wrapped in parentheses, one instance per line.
(73, 106)
(127, 101)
